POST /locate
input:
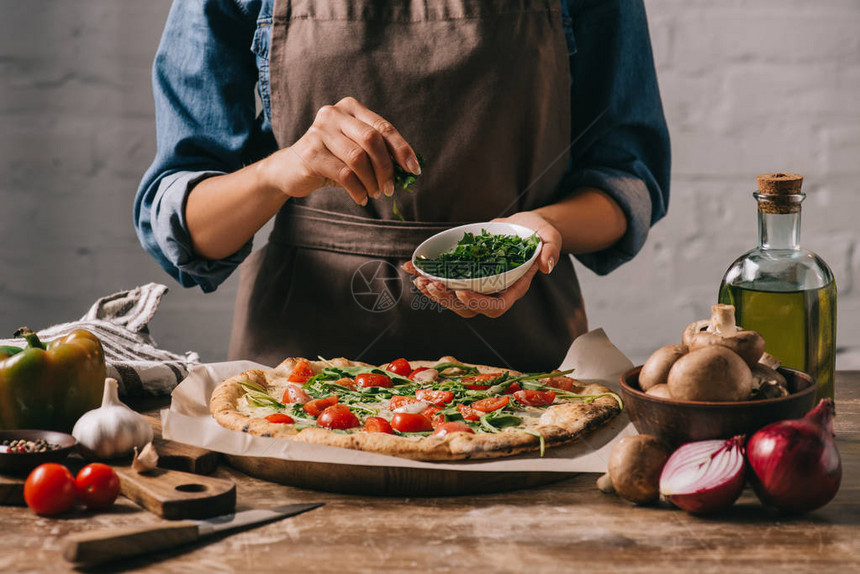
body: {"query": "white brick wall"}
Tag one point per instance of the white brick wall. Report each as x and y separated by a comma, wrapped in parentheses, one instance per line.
(748, 87)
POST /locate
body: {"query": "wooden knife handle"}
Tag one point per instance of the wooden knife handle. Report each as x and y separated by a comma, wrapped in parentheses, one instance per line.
(105, 545)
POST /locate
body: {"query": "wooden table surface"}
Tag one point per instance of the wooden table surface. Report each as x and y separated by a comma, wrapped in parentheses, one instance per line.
(564, 527)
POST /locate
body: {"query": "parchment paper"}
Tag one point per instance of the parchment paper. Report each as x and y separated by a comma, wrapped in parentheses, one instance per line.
(592, 355)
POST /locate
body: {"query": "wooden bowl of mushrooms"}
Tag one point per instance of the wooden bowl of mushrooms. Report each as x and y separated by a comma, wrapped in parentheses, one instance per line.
(718, 383)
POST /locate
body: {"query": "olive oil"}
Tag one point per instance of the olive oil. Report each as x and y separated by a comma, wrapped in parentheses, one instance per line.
(799, 326)
(785, 293)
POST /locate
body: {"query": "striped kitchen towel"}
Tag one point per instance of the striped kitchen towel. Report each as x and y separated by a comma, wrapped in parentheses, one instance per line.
(121, 321)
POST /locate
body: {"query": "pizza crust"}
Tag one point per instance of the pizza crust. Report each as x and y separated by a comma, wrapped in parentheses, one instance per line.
(558, 424)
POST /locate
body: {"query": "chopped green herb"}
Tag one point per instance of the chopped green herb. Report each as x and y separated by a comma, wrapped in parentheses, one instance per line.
(403, 180)
(481, 256)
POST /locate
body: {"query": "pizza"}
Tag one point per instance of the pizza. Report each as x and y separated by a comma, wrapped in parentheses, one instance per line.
(423, 410)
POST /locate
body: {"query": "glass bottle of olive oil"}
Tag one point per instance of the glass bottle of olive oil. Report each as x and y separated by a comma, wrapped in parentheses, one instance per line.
(786, 293)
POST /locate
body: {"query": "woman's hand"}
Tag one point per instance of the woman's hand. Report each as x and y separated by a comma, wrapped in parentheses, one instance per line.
(347, 146)
(468, 303)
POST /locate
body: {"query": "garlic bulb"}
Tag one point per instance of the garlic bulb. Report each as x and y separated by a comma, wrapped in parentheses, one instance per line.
(113, 429)
(145, 460)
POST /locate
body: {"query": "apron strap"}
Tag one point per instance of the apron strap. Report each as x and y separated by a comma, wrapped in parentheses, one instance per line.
(313, 228)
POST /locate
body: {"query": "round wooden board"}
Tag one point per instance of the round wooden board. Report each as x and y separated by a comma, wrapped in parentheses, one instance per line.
(386, 480)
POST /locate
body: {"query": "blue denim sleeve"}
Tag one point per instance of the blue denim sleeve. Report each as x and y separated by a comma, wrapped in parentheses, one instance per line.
(620, 139)
(203, 81)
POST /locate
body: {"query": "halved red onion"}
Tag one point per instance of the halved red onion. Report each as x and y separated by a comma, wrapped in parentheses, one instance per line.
(705, 476)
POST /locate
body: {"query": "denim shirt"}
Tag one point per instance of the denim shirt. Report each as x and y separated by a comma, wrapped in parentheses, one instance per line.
(214, 52)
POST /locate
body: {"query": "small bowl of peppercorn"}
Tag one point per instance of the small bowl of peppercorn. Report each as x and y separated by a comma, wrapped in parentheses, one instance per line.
(23, 450)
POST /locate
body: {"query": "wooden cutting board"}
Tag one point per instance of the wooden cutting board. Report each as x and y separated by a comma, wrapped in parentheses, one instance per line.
(179, 456)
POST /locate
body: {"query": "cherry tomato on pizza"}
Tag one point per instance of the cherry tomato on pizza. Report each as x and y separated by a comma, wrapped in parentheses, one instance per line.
(338, 417)
(293, 393)
(399, 367)
(398, 401)
(438, 398)
(435, 416)
(535, 398)
(377, 424)
(452, 427)
(411, 376)
(280, 418)
(317, 406)
(491, 404)
(97, 486)
(512, 388)
(301, 372)
(468, 413)
(346, 382)
(366, 380)
(561, 382)
(50, 489)
(408, 422)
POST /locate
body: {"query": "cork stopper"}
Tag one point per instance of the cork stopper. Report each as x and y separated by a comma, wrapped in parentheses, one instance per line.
(779, 192)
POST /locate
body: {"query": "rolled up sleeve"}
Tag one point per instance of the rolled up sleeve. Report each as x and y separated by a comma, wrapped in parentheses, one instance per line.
(620, 138)
(203, 82)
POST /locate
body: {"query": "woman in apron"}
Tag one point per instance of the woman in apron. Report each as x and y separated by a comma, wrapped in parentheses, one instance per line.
(524, 110)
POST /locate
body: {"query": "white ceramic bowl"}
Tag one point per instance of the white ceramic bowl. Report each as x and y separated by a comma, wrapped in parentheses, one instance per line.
(448, 239)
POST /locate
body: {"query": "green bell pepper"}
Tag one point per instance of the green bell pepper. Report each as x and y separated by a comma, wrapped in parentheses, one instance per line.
(49, 387)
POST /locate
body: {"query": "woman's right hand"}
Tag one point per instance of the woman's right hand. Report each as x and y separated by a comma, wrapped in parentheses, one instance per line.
(347, 146)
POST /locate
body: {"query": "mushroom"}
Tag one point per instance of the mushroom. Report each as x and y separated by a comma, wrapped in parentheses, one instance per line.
(769, 360)
(767, 383)
(661, 391)
(634, 468)
(710, 373)
(723, 331)
(656, 368)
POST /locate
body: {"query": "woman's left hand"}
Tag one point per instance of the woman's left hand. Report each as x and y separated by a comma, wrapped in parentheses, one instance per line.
(468, 303)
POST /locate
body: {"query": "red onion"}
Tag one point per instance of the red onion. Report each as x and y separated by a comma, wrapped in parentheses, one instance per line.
(705, 476)
(795, 464)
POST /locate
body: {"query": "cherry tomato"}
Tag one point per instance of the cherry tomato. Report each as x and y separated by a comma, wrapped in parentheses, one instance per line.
(438, 398)
(295, 394)
(50, 489)
(411, 376)
(535, 398)
(468, 413)
(476, 383)
(399, 367)
(338, 417)
(280, 418)
(452, 427)
(491, 404)
(408, 422)
(373, 380)
(301, 372)
(512, 388)
(563, 383)
(377, 424)
(432, 413)
(97, 485)
(316, 406)
(346, 382)
(398, 401)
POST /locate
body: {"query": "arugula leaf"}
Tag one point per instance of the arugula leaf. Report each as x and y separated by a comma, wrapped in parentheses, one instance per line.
(462, 370)
(481, 256)
(540, 436)
(403, 180)
(263, 399)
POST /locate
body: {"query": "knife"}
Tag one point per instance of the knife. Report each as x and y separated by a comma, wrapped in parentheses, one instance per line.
(110, 544)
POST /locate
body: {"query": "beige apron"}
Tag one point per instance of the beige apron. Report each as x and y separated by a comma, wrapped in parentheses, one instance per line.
(481, 89)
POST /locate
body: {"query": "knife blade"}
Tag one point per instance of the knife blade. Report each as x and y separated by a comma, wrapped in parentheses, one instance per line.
(100, 546)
